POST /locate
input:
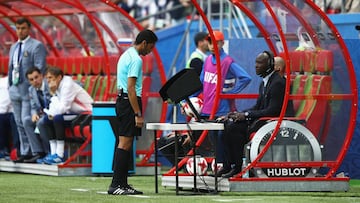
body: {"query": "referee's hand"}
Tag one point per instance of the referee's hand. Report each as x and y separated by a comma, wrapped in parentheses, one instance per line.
(139, 121)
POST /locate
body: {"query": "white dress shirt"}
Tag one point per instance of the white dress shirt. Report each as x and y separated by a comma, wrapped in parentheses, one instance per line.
(70, 97)
(5, 102)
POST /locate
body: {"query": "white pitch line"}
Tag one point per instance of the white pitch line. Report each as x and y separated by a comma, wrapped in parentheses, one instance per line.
(140, 196)
(235, 200)
(79, 189)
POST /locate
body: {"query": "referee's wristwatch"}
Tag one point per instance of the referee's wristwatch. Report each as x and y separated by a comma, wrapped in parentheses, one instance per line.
(246, 114)
(138, 114)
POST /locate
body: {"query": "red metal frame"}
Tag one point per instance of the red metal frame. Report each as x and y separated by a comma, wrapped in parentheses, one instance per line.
(38, 27)
(333, 165)
(73, 30)
(353, 84)
(75, 7)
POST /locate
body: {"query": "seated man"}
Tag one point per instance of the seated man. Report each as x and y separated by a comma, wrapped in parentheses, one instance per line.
(39, 99)
(68, 100)
(8, 128)
(279, 66)
(268, 104)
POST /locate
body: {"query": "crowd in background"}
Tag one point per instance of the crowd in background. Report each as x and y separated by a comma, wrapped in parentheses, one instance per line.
(158, 14)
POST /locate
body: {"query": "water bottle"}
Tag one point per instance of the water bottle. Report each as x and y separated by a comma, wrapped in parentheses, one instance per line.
(244, 165)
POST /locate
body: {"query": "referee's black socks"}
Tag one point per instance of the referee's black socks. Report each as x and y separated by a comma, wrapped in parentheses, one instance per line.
(122, 158)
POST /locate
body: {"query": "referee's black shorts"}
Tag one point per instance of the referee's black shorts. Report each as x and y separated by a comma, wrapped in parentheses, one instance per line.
(126, 117)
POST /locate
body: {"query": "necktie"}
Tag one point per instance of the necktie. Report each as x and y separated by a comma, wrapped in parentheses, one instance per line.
(41, 98)
(19, 53)
(263, 87)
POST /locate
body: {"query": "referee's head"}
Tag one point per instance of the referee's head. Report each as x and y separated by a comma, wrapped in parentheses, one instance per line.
(145, 42)
(147, 35)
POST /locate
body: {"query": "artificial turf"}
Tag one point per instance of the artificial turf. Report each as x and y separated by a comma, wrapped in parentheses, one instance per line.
(15, 187)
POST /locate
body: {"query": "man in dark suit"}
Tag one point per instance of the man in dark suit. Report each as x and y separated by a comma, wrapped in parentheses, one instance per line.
(39, 100)
(24, 54)
(238, 124)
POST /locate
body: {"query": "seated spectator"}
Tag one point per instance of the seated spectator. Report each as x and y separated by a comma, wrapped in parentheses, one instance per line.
(181, 8)
(8, 129)
(39, 100)
(124, 4)
(330, 7)
(238, 125)
(352, 6)
(279, 66)
(68, 100)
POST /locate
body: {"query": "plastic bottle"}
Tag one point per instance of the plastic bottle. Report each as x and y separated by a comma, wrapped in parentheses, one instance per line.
(244, 165)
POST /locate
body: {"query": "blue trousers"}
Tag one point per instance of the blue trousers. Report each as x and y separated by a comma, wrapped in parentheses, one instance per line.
(9, 136)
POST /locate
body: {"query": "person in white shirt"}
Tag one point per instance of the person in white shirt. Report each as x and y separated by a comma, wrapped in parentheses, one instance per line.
(8, 128)
(68, 100)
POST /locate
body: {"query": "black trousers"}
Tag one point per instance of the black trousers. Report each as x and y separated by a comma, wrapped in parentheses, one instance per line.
(235, 138)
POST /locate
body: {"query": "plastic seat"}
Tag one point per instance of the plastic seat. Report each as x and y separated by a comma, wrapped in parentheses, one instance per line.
(324, 61)
(298, 88)
(50, 61)
(297, 61)
(76, 125)
(90, 81)
(314, 111)
(99, 88)
(86, 65)
(78, 65)
(96, 64)
(113, 88)
(113, 64)
(60, 63)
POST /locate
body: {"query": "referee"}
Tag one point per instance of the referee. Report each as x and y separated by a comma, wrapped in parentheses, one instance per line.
(128, 109)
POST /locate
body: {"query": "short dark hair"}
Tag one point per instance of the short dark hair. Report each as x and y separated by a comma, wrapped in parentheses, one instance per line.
(199, 37)
(147, 35)
(55, 71)
(31, 70)
(23, 20)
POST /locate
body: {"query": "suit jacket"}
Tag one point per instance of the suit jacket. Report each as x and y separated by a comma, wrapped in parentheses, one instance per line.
(35, 104)
(33, 54)
(271, 98)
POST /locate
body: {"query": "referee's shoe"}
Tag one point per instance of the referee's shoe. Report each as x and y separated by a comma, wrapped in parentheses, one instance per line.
(123, 190)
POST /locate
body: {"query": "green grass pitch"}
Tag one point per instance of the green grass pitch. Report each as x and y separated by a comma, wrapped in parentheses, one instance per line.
(15, 187)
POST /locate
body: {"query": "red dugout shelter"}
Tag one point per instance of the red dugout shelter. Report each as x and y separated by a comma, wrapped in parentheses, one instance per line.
(85, 38)
(301, 153)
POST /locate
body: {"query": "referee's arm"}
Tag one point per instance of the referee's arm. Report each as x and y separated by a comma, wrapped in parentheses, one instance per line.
(139, 120)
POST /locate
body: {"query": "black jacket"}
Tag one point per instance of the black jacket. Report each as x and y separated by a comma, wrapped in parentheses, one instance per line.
(271, 98)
